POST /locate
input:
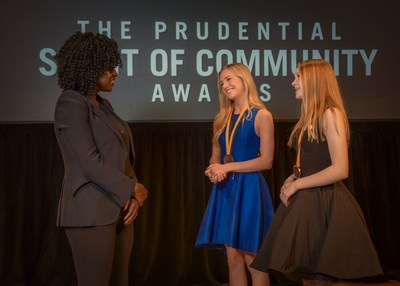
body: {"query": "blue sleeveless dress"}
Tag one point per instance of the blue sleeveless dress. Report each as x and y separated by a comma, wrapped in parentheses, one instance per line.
(239, 209)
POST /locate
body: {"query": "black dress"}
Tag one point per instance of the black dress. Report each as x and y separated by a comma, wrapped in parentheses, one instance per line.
(323, 231)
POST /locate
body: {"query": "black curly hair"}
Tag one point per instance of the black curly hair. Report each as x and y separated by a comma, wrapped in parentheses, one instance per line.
(83, 58)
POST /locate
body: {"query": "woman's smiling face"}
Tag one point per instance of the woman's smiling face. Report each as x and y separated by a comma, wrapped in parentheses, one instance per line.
(231, 84)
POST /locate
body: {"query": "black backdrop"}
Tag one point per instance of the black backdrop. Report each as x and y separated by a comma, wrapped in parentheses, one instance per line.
(171, 158)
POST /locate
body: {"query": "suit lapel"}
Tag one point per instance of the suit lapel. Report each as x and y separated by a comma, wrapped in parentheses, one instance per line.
(100, 114)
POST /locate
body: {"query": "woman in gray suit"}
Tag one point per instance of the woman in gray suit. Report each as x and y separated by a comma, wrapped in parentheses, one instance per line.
(101, 195)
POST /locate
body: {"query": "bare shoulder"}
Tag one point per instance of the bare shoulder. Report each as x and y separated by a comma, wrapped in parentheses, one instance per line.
(263, 122)
(264, 114)
(333, 120)
(328, 114)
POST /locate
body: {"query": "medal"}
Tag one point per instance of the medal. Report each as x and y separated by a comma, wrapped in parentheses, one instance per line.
(296, 172)
(228, 158)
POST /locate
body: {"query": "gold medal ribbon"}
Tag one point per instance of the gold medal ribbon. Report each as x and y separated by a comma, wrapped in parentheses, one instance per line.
(228, 135)
(296, 168)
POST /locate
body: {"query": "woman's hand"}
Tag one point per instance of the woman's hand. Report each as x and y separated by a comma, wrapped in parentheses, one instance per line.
(289, 179)
(287, 191)
(131, 209)
(140, 193)
(216, 172)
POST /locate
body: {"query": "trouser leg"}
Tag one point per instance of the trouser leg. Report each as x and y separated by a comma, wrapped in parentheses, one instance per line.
(93, 253)
(122, 257)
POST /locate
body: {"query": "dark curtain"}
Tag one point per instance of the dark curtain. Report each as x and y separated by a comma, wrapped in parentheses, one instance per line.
(170, 161)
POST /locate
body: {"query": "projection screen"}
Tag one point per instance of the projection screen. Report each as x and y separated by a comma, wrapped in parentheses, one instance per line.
(173, 50)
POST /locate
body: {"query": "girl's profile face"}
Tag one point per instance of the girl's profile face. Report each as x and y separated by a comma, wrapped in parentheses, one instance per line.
(107, 80)
(231, 85)
(297, 85)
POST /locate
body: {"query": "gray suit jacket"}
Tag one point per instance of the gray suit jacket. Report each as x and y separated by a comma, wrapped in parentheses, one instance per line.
(95, 186)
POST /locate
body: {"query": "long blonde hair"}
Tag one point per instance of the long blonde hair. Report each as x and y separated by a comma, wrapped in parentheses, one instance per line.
(226, 106)
(321, 92)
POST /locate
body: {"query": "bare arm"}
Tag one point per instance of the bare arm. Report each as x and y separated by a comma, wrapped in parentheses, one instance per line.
(216, 155)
